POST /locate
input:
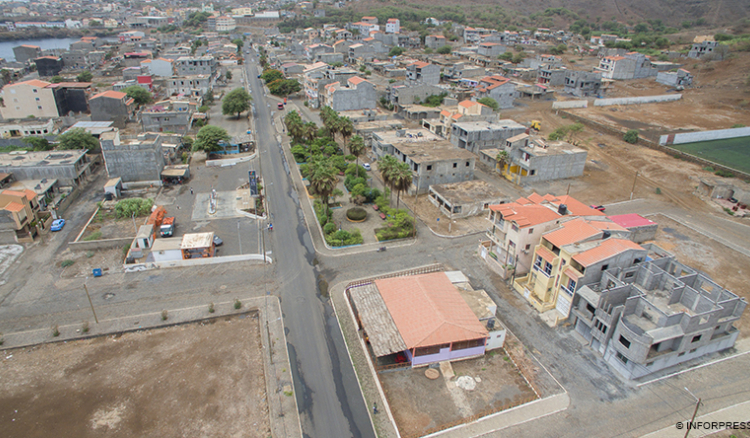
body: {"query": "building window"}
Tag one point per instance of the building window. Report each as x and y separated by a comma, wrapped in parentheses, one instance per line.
(463, 345)
(532, 172)
(547, 268)
(538, 261)
(605, 267)
(692, 351)
(622, 358)
(638, 260)
(696, 338)
(528, 247)
(467, 164)
(531, 230)
(455, 165)
(514, 227)
(624, 341)
(571, 285)
(39, 107)
(432, 349)
(629, 274)
(34, 90)
(429, 167)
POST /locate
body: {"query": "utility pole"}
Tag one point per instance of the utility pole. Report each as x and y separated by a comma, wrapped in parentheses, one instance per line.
(632, 191)
(695, 412)
(262, 196)
(239, 236)
(90, 303)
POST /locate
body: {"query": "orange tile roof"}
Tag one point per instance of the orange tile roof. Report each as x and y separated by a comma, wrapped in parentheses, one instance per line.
(32, 82)
(30, 194)
(428, 310)
(355, 80)
(445, 113)
(468, 103)
(575, 206)
(545, 253)
(525, 215)
(111, 94)
(14, 207)
(614, 58)
(572, 273)
(456, 116)
(419, 64)
(495, 81)
(574, 231)
(18, 193)
(607, 249)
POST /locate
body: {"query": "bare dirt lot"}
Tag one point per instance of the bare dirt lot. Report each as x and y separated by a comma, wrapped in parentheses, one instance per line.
(420, 405)
(197, 380)
(725, 266)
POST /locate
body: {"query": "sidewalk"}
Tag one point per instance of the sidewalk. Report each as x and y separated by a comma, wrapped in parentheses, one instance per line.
(736, 413)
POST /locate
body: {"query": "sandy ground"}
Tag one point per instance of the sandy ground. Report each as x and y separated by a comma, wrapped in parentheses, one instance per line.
(197, 380)
(421, 406)
(725, 266)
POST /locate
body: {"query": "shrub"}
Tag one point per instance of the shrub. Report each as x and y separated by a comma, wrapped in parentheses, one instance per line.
(320, 213)
(356, 214)
(345, 238)
(300, 153)
(724, 173)
(631, 136)
(126, 208)
(96, 235)
(304, 170)
(355, 171)
(89, 254)
(329, 228)
(67, 263)
(211, 308)
(164, 315)
(237, 304)
(55, 331)
(85, 327)
(350, 182)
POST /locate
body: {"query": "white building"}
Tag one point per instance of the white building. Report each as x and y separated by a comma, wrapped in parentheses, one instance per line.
(393, 25)
(225, 24)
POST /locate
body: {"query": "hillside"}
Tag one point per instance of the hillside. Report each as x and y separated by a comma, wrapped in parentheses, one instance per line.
(671, 12)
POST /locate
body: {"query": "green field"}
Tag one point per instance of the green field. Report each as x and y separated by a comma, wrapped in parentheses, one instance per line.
(730, 152)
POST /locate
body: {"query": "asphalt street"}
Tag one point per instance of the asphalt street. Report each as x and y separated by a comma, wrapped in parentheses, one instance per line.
(328, 395)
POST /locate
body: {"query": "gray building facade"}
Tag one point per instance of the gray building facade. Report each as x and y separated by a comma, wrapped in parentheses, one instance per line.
(133, 160)
(475, 136)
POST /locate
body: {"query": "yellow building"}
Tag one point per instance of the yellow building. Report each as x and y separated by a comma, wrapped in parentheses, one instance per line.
(575, 254)
(242, 11)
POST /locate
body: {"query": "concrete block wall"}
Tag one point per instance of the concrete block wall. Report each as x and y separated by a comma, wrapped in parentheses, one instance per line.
(717, 134)
(637, 100)
(570, 104)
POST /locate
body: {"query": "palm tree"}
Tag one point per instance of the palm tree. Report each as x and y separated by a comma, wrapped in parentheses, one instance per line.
(323, 179)
(294, 125)
(386, 167)
(309, 131)
(401, 178)
(501, 159)
(346, 128)
(357, 147)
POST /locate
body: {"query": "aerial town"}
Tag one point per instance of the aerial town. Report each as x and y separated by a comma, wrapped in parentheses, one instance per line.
(374, 219)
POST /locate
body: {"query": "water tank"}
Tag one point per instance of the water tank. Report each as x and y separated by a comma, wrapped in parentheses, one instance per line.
(490, 324)
(562, 209)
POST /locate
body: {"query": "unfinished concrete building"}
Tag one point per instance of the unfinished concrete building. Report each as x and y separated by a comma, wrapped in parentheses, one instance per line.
(435, 162)
(475, 136)
(465, 199)
(702, 45)
(135, 160)
(654, 315)
(542, 160)
(679, 78)
(583, 83)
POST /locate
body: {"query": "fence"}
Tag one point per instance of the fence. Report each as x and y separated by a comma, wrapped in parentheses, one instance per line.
(690, 137)
(416, 271)
(637, 100)
(654, 145)
(570, 104)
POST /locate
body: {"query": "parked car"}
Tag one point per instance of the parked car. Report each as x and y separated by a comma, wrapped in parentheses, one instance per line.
(280, 106)
(57, 225)
(218, 241)
(367, 166)
(598, 207)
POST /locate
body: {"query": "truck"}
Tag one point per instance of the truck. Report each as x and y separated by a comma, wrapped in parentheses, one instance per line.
(167, 227)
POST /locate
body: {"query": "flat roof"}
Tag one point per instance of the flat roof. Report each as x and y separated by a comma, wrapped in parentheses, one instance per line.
(553, 148)
(167, 244)
(408, 135)
(631, 220)
(466, 192)
(437, 150)
(112, 182)
(197, 240)
(38, 186)
(479, 125)
(40, 158)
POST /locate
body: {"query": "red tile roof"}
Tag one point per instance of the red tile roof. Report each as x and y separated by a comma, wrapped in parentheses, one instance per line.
(32, 82)
(525, 214)
(631, 220)
(428, 310)
(573, 231)
(14, 207)
(419, 64)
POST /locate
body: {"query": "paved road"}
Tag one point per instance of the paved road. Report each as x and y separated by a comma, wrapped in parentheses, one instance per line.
(328, 395)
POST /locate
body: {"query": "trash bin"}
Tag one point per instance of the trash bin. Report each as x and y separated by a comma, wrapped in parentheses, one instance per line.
(97, 272)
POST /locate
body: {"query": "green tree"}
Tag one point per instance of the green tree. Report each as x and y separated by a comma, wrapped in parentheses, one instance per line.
(284, 87)
(38, 143)
(446, 49)
(401, 178)
(236, 101)
(209, 137)
(310, 131)
(490, 102)
(386, 167)
(271, 75)
(323, 178)
(294, 126)
(396, 51)
(228, 75)
(501, 159)
(239, 43)
(346, 128)
(631, 136)
(85, 76)
(140, 95)
(507, 56)
(519, 57)
(56, 79)
(76, 139)
(357, 147)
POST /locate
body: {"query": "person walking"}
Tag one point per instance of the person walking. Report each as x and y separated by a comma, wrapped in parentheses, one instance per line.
(374, 408)
(191, 190)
